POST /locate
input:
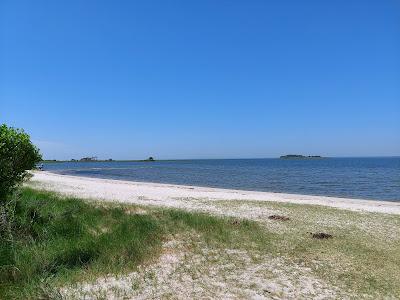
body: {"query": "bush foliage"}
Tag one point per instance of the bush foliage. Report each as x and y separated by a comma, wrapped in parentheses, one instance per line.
(17, 155)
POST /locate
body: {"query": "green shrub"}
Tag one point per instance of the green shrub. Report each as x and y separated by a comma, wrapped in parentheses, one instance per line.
(17, 155)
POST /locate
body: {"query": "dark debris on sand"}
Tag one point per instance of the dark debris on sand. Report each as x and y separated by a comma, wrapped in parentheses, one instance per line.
(321, 235)
(278, 218)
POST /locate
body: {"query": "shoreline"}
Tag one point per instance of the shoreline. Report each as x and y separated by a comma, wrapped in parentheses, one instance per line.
(189, 197)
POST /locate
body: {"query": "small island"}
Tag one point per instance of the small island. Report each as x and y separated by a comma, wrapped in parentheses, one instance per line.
(298, 156)
(95, 159)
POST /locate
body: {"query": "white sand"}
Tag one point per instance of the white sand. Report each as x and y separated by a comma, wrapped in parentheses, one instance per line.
(181, 273)
(189, 197)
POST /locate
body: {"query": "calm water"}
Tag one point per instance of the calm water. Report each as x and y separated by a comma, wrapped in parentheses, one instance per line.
(366, 178)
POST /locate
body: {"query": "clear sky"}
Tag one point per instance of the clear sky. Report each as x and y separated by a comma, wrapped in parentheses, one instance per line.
(202, 79)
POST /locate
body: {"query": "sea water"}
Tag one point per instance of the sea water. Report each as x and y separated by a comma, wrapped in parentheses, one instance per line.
(364, 178)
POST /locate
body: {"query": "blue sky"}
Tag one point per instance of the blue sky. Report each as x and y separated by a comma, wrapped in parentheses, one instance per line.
(202, 79)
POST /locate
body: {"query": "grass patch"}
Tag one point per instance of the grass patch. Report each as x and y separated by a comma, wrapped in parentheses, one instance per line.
(219, 231)
(60, 240)
(362, 257)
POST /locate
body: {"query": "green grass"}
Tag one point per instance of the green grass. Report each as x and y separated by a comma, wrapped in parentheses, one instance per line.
(59, 241)
(362, 258)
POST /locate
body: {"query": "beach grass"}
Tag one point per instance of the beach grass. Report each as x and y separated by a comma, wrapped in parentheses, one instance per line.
(362, 257)
(61, 241)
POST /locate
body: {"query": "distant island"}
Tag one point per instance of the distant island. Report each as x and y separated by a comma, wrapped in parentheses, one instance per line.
(95, 159)
(298, 156)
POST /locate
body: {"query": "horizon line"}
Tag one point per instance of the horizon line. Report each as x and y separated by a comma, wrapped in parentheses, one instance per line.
(227, 158)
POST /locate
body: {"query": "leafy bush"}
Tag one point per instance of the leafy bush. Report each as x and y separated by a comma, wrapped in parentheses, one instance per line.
(17, 155)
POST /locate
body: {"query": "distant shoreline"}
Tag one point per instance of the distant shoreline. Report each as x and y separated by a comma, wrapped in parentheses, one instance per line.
(195, 159)
(100, 160)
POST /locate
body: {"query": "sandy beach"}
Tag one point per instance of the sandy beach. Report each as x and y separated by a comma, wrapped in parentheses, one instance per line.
(190, 197)
(289, 264)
